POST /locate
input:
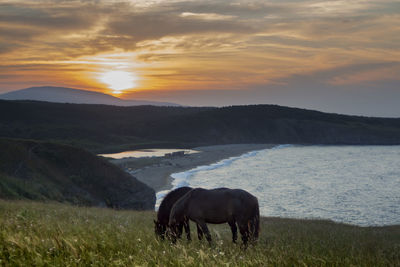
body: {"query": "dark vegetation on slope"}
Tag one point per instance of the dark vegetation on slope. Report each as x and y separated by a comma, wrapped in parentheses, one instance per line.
(49, 171)
(104, 128)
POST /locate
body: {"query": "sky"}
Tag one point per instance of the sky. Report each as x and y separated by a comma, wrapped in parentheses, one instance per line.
(334, 56)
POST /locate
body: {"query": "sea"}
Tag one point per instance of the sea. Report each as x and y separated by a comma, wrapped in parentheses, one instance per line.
(141, 153)
(357, 185)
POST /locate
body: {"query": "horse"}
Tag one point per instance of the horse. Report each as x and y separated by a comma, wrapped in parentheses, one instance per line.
(161, 225)
(216, 206)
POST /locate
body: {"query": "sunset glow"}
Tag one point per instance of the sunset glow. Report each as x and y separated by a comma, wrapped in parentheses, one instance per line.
(312, 54)
(118, 80)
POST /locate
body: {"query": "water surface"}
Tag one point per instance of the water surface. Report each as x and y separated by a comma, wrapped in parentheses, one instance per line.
(351, 184)
(157, 152)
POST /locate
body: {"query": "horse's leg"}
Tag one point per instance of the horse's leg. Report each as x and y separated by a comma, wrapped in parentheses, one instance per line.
(180, 229)
(204, 229)
(163, 231)
(187, 229)
(232, 224)
(251, 228)
(244, 231)
(199, 232)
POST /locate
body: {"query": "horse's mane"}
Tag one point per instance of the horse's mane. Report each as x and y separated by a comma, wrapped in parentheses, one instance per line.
(169, 200)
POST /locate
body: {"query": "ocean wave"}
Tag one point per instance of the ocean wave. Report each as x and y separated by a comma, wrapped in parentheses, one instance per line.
(182, 179)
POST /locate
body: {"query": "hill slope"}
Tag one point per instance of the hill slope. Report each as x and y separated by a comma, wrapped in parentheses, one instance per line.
(100, 127)
(48, 171)
(69, 95)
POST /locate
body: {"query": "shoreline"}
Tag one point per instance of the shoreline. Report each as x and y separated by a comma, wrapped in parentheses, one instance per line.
(157, 173)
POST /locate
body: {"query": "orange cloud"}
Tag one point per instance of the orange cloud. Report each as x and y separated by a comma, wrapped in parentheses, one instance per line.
(177, 45)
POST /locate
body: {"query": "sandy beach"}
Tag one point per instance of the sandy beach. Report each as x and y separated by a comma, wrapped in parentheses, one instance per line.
(155, 172)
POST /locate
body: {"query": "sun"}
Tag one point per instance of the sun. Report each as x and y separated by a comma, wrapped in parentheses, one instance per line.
(119, 80)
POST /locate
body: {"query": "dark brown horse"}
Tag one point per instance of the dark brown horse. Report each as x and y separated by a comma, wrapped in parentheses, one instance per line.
(161, 225)
(221, 205)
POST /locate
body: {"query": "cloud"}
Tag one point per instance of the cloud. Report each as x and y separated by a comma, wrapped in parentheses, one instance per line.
(67, 18)
(200, 44)
(155, 25)
(108, 25)
(367, 74)
(206, 16)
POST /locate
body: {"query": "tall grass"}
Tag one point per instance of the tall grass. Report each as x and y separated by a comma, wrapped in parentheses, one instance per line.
(37, 234)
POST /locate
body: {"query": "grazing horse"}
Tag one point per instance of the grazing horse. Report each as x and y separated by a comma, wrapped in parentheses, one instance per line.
(221, 205)
(161, 225)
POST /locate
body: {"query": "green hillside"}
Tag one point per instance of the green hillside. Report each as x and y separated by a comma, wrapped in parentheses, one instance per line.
(53, 172)
(103, 128)
(35, 234)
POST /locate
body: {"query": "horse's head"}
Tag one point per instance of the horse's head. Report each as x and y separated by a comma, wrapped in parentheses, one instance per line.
(173, 227)
(173, 232)
(159, 229)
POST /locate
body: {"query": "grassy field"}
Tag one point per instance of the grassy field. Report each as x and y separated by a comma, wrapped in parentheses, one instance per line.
(37, 234)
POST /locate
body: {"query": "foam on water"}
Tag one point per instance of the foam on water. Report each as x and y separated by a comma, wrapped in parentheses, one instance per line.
(182, 179)
(352, 184)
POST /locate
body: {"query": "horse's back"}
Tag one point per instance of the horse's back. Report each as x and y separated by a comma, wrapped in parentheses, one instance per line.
(243, 195)
(222, 193)
(243, 199)
(221, 202)
(205, 196)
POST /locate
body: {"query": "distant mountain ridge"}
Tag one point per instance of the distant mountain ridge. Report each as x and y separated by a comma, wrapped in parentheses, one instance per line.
(104, 128)
(75, 96)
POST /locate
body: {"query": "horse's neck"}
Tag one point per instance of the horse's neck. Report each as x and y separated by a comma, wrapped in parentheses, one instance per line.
(182, 203)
